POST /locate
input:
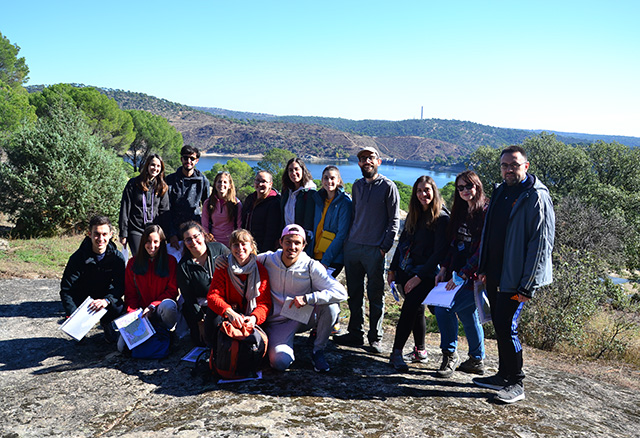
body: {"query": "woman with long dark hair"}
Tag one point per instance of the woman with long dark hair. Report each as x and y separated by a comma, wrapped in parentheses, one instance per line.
(421, 247)
(145, 201)
(298, 206)
(222, 211)
(464, 233)
(194, 275)
(150, 280)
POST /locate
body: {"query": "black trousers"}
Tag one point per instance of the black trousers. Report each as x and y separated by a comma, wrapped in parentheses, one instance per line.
(505, 314)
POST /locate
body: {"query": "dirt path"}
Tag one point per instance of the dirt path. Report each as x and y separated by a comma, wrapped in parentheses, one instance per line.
(54, 386)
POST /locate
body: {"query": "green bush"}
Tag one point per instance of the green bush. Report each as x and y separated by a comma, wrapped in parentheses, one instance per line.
(57, 175)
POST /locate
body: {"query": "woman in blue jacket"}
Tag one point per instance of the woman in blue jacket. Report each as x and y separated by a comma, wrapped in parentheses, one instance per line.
(332, 220)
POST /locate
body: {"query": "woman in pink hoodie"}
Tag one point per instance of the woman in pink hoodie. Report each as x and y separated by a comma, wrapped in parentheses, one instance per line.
(221, 213)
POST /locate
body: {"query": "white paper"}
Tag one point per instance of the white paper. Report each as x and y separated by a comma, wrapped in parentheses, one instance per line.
(300, 314)
(133, 329)
(246, 379)
(440, 296)
(482, 302)
(82, 320)
(193, 355)
(176, 253)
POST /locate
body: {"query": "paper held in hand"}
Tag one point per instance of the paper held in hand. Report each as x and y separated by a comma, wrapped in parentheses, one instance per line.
(301, 314)
(133, 329)
(82, 320)
(440, 296)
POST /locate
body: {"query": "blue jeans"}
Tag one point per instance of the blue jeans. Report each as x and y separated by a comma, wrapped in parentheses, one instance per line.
(464, 306)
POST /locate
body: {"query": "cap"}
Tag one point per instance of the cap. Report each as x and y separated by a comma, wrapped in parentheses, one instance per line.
(369, 149)
(294, 229)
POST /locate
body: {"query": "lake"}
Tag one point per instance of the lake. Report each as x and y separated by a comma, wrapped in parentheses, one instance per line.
(350, 170)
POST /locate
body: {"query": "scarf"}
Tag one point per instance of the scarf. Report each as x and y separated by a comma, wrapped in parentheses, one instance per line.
(249, 289)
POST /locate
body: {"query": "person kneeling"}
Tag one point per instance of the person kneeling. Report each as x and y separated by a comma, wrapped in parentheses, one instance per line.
(294, 275)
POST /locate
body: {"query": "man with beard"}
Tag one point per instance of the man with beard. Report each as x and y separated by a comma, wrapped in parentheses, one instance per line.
(515, 260)
(373, 230)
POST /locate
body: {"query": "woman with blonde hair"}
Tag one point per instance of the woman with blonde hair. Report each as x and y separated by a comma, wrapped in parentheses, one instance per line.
(240, 292)
(421, 247)
(221, 212)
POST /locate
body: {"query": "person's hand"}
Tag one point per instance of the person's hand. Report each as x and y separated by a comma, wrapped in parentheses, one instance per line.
(123, 241)
(221, 262)
(441, 275)
(250, 321)
(450, 285)
(97, 305)
(391, 276)
(382, 252)
(521, 298)
(299, 301)
(482, 278)
(234, 318)
(148, 311)
(411, 284)
(175, 242)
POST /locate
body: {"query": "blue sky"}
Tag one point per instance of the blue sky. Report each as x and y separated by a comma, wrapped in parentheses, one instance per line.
(570, 66)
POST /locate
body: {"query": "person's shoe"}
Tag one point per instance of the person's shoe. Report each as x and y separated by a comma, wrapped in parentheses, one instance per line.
(397, 361)
(320, 364)
(472, 366)
(416, 356)
(492, 382)
(110, 333)
(510, 393)
(375, 346)
(349, 340)
(449, 363)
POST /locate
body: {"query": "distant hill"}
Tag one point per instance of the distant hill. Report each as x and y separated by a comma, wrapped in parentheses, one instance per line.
(434, 141)
(625, 140)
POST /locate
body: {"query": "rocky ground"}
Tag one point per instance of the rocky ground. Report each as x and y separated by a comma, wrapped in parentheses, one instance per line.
(52, 385)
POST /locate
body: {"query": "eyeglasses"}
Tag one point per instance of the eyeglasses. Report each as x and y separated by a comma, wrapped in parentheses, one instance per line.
(195, 237)
(512, 166)
(189, 158)
(462, 188)
(371, 158)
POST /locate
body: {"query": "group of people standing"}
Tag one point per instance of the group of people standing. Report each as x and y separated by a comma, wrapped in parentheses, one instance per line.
(244, 262)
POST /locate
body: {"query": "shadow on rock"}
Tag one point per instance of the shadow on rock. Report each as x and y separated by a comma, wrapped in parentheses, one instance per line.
(32, 309)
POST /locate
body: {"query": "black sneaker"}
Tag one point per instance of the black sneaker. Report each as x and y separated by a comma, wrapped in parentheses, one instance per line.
(320, 364)
(492, 382)
(449, 363)
(349, 340)
(511, 393)
(472, 366)
(397, 361)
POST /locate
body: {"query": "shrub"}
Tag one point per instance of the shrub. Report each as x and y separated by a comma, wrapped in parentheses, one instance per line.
(57, 175)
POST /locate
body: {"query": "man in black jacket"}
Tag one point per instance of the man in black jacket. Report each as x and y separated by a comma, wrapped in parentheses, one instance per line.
(96, 270)
(188, 189)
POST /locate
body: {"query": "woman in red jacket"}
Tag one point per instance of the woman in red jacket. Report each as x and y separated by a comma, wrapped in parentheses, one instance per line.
(241, 292)
(150, 280)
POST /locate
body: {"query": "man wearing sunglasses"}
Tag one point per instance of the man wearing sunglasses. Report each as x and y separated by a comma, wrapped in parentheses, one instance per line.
(188, 189)
(515, 260)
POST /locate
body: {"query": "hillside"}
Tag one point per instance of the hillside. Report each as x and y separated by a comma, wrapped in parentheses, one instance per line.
(214, 130)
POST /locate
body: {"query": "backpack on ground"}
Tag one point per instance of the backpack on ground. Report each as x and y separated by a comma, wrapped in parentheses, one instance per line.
(239, 352)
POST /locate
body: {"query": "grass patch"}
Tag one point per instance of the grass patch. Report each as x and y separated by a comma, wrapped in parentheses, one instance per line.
(38, 258)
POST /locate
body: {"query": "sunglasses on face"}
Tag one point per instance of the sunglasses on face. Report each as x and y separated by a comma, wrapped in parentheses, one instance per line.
(188, 158)
(462, 188)
(194, 238)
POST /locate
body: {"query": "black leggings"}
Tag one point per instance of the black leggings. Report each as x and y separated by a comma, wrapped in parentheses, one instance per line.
(412, 313)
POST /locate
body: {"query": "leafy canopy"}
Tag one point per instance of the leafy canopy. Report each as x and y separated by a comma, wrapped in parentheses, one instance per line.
(57, 175)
